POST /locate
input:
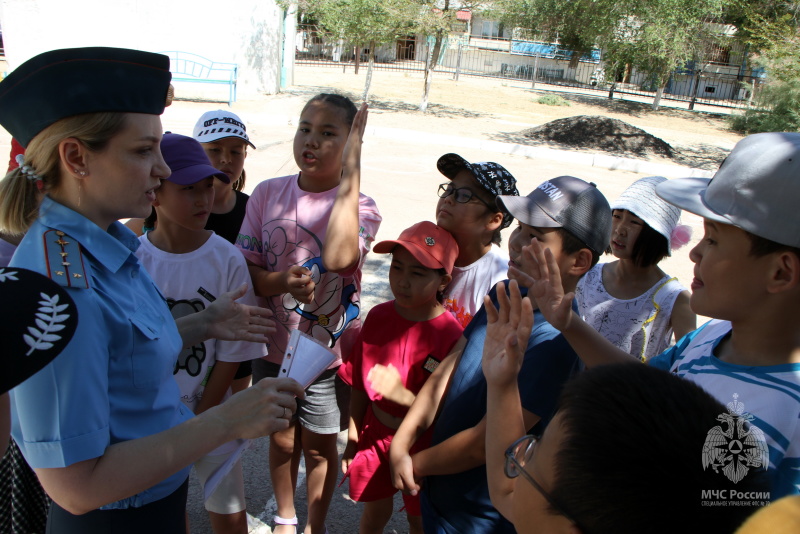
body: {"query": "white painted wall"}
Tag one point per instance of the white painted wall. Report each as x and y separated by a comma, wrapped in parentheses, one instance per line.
(246, 32)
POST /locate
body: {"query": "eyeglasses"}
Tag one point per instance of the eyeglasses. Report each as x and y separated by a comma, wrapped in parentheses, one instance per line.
(462, 195)
(517, 455)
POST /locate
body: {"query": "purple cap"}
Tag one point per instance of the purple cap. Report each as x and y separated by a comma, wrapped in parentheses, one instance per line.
(569, 203)
(187, 160)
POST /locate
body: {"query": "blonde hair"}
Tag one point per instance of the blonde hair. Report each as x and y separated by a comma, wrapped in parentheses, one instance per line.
(19, 196)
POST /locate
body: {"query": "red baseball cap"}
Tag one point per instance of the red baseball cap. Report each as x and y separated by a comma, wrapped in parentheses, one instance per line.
(430, 245)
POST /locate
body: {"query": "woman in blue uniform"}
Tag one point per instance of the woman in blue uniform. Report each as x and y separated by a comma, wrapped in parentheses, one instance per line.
(103, 424)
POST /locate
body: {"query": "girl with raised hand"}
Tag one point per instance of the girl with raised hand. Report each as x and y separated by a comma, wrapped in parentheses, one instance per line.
(305, 237)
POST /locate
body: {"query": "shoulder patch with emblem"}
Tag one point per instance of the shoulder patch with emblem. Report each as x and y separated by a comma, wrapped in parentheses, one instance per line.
(64, 260)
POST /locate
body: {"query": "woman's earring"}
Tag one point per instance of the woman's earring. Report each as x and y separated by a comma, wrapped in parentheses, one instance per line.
(81, 173)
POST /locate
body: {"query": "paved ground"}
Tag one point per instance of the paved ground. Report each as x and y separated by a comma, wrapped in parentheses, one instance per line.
(399, 171)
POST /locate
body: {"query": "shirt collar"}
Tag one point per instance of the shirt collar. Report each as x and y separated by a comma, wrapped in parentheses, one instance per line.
(112, 248)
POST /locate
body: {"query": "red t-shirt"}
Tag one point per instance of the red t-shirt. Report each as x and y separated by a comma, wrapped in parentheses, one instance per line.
(414, 347)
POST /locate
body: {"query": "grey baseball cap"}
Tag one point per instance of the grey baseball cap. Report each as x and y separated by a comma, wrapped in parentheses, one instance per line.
(569, 203)
(756, 188)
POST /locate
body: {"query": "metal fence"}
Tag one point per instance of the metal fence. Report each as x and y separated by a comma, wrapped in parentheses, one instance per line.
(534, 61)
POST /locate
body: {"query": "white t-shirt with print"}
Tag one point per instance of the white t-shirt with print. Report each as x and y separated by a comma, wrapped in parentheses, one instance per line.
(463, 297)
(189, 282)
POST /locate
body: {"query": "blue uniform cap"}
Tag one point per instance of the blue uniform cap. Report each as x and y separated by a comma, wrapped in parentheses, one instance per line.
(62, 83)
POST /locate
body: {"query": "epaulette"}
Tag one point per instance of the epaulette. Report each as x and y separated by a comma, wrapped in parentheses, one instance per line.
(64, 260)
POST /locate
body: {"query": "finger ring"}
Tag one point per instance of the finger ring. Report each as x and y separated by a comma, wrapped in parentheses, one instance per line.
(284, 412)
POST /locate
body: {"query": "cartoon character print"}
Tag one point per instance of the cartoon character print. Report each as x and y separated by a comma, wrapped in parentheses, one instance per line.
(190, 359)
(335, 304)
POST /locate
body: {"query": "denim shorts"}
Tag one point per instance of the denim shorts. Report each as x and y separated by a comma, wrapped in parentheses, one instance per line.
(326, 408)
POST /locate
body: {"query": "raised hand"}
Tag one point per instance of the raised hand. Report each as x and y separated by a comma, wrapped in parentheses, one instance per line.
(543, 278)
(507, 331)
(351, 156)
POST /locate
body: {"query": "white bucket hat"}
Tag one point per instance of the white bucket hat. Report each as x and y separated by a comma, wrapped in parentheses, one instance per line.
(640, 199)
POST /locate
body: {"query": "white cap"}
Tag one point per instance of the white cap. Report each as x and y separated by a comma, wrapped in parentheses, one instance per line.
(219, 124)
(641, 200)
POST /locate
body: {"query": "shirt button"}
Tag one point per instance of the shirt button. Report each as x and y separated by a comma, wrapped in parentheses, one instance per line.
(134, 274)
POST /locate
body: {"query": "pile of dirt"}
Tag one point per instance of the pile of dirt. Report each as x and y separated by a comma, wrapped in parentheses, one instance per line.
(600, 133)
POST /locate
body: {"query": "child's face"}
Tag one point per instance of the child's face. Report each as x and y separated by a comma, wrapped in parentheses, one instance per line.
(625, 230)
(728, 280)
(532, 511)
(227, 155)
(187, 206)
(414, 286)
(318, 144)
(521, 237)
(462, 219)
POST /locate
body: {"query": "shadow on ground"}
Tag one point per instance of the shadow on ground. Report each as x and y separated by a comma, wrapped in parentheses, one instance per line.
(393, 106)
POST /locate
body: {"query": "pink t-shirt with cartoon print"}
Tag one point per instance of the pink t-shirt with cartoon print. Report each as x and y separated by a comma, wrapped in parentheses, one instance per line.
(286, 226)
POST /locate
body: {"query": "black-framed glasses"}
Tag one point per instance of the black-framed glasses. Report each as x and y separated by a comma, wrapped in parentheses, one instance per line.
(462, 195)
(520, 453)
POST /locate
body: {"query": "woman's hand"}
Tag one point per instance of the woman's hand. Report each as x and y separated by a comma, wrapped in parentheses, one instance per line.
(229, 320)
(263, 409)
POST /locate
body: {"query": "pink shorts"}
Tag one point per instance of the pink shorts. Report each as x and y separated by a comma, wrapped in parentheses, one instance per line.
(369, 474)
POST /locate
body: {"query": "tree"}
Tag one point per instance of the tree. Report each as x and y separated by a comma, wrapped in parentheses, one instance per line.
(654, 36)
(776, 38)
(434, 22)
(362, 22)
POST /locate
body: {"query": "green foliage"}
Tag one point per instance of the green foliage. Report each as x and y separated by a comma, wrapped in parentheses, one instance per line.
(655, 36)
(361, 21)
(552, 100)
(780, 111)
(778, 104)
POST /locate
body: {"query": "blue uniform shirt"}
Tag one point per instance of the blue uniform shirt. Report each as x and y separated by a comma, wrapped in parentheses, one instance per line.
(460, 503)
(113, 382)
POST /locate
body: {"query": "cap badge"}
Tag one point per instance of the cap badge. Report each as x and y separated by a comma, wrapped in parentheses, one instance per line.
(430, 241)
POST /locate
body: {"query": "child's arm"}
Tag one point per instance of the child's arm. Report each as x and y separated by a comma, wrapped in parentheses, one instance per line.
(683, 319)
(219, 381)
(297, 281)
(358, 407)
(386, 381)
(419, 418)
(507, 333)
(341, 250)
(543, 279)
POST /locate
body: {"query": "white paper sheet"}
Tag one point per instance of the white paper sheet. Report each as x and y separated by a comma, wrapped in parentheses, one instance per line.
(305, 359)
(214, 480)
